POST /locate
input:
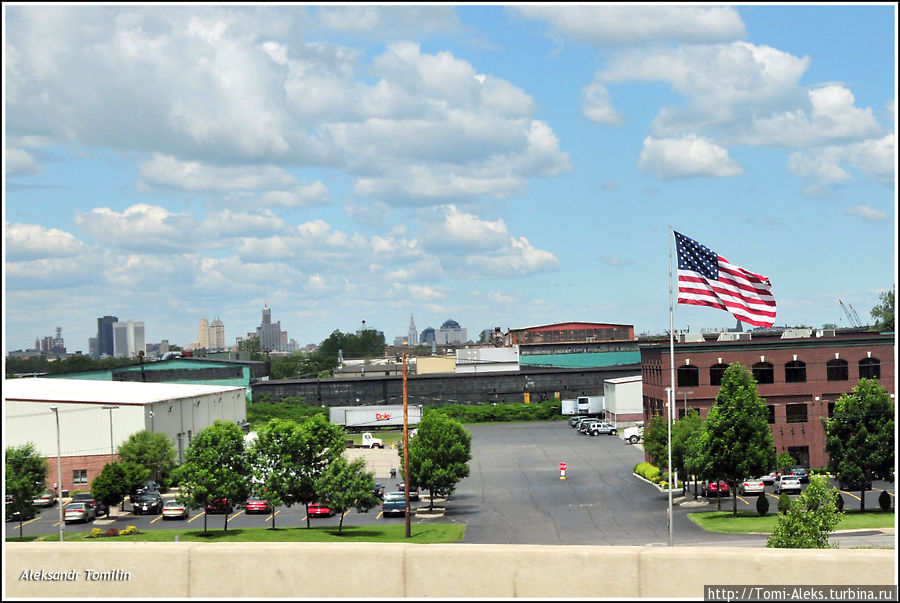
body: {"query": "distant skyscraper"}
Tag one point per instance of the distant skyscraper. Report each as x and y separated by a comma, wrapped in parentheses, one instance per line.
(105, 344)
(93, 347)
(128, 339)
(217, 335)
(203, 334)
(269, 333)
(413, 334)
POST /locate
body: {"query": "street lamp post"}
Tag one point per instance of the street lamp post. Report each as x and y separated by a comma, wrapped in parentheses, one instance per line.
(112, 454)
(59, 504)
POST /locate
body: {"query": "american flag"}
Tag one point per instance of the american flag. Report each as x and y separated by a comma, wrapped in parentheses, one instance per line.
(707, 279)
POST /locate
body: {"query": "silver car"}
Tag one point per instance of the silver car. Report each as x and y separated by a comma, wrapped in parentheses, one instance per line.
(79, 511)
(788, 484)
(598, 427)
(751, 485)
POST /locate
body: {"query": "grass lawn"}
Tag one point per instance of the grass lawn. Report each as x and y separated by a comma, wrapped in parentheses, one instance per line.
(421, 534)
(748, 522)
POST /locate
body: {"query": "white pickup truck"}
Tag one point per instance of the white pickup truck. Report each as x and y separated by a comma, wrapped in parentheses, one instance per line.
(368, 441)
(634, 434)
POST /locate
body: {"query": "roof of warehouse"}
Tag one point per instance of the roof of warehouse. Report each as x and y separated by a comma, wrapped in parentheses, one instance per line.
(87, 391)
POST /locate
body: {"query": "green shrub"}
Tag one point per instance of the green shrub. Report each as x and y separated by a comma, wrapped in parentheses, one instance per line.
(884, 501)
(784, 503)
(838, 501)
(95, 533)
(762, 504)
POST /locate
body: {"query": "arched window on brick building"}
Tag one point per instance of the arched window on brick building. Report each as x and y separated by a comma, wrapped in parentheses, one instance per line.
(870, 368)
(837, 370)
(764, 372)
(795, 372)
(688, 375)
(715, 373)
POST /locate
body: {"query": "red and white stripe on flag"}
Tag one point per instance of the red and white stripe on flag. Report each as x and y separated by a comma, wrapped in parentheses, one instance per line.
(707, 279)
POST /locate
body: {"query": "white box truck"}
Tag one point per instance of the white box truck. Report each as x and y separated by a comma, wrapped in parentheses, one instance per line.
(356, 418)
(590, 405)
(569, 407)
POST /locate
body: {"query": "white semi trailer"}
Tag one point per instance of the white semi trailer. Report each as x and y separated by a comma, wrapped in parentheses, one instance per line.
(357, 418)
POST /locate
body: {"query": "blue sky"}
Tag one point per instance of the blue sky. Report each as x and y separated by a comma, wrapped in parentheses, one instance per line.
(498, 165)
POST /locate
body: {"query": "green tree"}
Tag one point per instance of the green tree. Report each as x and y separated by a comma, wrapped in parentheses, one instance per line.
(26, 478)
(809, 520)
(859, 437)
(784, 461)
(684, 430)
(439, 455)
(111, 486)
(252, 345)
(347, 485)
(134, 476)
(784, 503)
(215, 467)
(320, 443)
(762, 504)
(656, 440)
(275, 460)
(883, 313)
(151, 450)
(740, 440)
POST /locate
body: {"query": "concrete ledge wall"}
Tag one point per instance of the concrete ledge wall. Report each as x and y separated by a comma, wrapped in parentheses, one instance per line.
(396, 570)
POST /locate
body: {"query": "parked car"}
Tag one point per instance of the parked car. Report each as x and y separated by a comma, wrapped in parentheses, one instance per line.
(595, 428)
(320, 510)
(79, 511)
(47, 499)
(174, 510)
(788, 484)
(378, 491)
(148, 502)
(573, 421)
(579, 425)
(711, 489)
(394, 503)
(752, 485)
(217, 505)
(13, 515)
(257, 505)
(769, 478)
(413, 491)
(86, 497)
(149, 486)
(800, 473)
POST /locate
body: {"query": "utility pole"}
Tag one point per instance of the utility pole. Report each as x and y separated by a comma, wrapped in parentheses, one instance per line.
(405, 447)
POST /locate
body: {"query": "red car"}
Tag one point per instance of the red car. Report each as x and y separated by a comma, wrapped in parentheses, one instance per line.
(216, 505)
(319, 510)
(257, 505)
(715, 489)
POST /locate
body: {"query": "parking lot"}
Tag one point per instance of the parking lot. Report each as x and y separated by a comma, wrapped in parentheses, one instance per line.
(514, 495)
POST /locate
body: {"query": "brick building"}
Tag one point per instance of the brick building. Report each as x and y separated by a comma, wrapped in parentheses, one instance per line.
(799, 377)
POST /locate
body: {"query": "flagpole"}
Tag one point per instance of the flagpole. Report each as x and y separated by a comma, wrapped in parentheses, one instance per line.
(671, 392)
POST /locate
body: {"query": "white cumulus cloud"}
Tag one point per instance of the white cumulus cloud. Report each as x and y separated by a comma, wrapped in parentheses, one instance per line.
(689, 156)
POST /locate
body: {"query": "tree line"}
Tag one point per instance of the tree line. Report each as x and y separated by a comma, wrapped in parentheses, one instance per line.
(288, 463)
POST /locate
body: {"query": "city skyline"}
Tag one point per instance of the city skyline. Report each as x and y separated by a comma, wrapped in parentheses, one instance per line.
(501, 166)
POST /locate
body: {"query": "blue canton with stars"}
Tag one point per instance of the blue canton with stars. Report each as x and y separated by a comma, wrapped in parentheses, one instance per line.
(694, 256)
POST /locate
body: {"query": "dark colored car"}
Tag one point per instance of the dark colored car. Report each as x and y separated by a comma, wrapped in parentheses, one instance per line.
(854, 486)
(216, 505)
(86, 497)
(149, 486)
(800, 473)
(148, 502)
(379, 491)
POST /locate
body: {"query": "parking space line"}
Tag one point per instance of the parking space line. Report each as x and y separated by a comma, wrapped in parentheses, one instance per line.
(200, 514)
(157, 518)
(888, 491)
(743, 500)
(849, 493)
(270, 516)
(380, 513)
(235, 515)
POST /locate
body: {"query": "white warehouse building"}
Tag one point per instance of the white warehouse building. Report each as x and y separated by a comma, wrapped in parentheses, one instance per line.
(95, 417)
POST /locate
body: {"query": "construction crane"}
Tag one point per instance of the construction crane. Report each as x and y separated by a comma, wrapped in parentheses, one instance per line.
(852, 318)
